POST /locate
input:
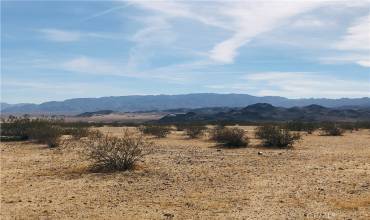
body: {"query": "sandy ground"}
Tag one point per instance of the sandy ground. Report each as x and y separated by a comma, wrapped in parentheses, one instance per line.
(321, 178)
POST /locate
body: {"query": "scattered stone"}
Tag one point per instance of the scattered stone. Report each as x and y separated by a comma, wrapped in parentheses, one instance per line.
(169, 215)
(260, 153)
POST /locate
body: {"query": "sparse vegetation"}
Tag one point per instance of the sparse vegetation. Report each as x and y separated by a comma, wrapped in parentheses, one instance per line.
(229, 137)
(46, 134)
(195, 131)
(331, 129)
(42, 131)
(155, 130)
(110, 153)
(308, 127)
(15, 129)
(275, 136)
(76, 132)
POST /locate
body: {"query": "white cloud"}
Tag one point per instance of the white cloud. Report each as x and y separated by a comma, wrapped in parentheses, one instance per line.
(357, 42)
(61, 35)
(92, 66)
(298, 85)
(251, 19)
(362, 59)
(357, 37)
(52, 90)
(244, 20)
(310, 22)
(87, 65)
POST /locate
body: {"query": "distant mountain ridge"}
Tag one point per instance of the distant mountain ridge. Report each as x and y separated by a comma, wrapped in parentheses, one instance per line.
(97, 113)
(263, 112)
(163, 102)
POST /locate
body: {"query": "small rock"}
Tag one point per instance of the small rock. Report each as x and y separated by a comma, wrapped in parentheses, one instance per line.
(260, 153)
(169, 215)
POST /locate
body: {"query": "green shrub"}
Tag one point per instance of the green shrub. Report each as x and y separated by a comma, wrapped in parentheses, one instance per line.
(274, 136)
(155, 130)
(116, 153)
(331, 129)
(195, 131)
(229, 137)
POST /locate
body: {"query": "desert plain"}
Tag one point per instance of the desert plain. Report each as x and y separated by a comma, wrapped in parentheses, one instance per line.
(322, 177)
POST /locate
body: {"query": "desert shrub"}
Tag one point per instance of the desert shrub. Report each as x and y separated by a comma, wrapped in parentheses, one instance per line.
(46, 134)
(331, 129)
(308, 127)
(181, 127)
(348, 126)
(43, 131)
(362, 124)
(229, 137)
(274, 136)
(155, 130)
(195, 131)
(15, 129)
(116, 153)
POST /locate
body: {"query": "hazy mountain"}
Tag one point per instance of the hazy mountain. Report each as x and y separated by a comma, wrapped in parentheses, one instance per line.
(4, 105)
(162, 102)
(265, 112)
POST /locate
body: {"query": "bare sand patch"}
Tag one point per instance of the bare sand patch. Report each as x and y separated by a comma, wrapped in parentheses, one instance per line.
(321, 178)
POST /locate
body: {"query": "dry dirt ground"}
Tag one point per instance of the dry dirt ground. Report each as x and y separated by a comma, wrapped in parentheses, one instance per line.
(321, 178)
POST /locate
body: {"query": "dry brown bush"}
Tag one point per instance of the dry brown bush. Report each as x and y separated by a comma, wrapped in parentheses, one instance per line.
(274, 136)
(229, 137)
(156, 130)
(195, 131)
(111, 153)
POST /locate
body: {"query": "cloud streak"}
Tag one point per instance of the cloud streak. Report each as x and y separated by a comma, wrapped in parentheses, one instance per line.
(297, 85)
(68, 36)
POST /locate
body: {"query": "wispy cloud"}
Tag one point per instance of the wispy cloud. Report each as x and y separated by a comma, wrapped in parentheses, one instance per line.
(177, 73)
(357, 42)
(105, 12)
(60, 35)
(297, 85)
(357, 37)
(243, 20)
(53, 90)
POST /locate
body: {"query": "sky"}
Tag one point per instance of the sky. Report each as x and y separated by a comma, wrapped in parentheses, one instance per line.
(56, 50)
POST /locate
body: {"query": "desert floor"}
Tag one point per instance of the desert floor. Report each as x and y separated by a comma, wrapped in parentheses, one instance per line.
(321, 178)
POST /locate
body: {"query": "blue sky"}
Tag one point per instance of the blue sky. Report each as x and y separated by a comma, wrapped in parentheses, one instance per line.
(55, 50)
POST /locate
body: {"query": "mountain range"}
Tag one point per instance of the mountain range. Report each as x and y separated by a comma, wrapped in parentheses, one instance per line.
(162, 102)
(263, 112)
